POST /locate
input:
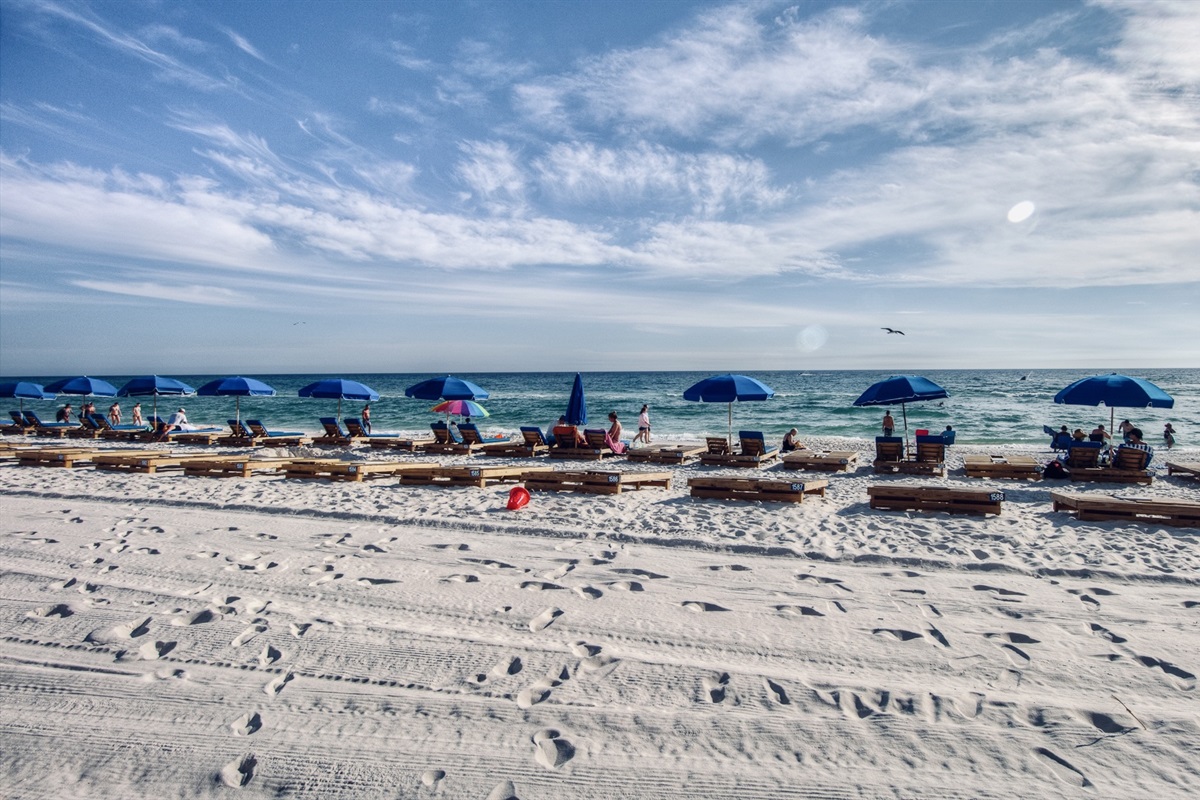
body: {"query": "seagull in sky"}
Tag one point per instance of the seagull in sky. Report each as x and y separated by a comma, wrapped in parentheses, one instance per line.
(294, 324)
(890, 330)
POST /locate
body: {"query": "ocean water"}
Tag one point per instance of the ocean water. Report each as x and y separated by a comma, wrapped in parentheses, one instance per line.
(985, 406)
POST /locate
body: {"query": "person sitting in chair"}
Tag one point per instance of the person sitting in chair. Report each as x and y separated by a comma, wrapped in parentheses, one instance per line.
(790, 442)
(1099, 434)
(1135, 443)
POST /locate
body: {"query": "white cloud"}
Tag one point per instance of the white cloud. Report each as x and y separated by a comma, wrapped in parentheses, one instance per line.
(493, 172)
(243, 44)
(189, 293)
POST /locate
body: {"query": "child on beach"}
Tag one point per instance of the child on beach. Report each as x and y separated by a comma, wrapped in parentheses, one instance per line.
(1168, 436)
(643, 434)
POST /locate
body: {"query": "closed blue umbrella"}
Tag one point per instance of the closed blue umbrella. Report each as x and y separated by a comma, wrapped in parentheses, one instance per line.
(24, 390)
(237, 387)
(899, 390)
(446, 388)
(729, 389)
(155, 386)
(577, 405)
(340, 388)
(83, 385)
(1114, 391)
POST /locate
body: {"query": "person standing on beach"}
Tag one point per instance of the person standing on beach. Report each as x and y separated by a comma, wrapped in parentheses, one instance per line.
(64, 414)
(136, 419)
(1124, 428)
(114, 413)
(366, 418)
(1168, 436)
(643, 434)
(889, 424)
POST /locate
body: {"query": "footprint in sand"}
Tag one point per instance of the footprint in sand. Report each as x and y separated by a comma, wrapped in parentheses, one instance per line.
(1013, 638)
(641, 573)
(798, 611)
(246, 725)
(545, 619)
(540, 690)
(1181, 677)
(276, 685)
(462, 578)
(327, 578)
(983, 587)
(198, 618)
(509, 665)
(777, 692)
(897, 634)
(930, 610)
(588, 592)
(269, 656)
(119, 634)
(715, 686)
(375, 581)
(551, 750)
(61, 610)
(430, 777)
(247, 635)
(152, 651)
(697, 605)
(1016, 655)
(539, 586)
(730, 567)
(1061, 768)
(936, 635)
(239, 772)
(627, 586)
(503, 791)
(1105, 633)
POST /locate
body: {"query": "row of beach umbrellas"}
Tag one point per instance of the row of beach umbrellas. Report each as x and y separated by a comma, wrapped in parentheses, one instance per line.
(460, 397)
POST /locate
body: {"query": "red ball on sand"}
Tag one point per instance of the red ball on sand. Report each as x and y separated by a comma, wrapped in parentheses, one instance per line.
(517, 497)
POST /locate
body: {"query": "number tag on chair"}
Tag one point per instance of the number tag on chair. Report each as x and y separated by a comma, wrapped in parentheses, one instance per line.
(797, 487)
(996, 497)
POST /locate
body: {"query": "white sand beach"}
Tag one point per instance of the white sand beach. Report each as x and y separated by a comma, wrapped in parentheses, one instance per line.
(170, 636)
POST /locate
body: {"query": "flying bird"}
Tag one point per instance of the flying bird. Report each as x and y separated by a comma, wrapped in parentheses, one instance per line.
(890, 330)
(294, 324)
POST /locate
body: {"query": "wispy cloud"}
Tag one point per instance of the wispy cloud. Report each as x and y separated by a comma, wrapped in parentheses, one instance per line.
(190, 293)
(243, 44)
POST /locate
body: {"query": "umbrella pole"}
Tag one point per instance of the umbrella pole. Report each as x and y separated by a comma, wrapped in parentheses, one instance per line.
(731, 427)
(237, 408)
(904, 413)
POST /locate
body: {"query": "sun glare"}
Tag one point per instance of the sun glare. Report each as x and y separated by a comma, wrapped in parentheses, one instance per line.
(1021, 211)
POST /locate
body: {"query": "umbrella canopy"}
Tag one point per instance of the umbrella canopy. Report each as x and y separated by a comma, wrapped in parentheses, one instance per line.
(446, 388)
(83, 385)
(729, 389)
(340, 388)
(461, 408)
(899, 390)
(577, 405)
(237, 387)
(24, 390)
(154, 386)
(1114, 391)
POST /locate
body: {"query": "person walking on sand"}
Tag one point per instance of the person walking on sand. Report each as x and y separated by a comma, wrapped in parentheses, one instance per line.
(643, 434)
(366, 418)
(889, 424)
(1168, 436)
(114, 413)
(136, 418)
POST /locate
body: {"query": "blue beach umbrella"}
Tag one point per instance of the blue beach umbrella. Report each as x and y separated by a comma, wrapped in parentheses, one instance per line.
(237, 387)
(155, 386)
(729, 389)
(340, 388)
(24, 390)
(899, 390)
(577, 405)
(446, 388)
(83, 385)
(1114, 391)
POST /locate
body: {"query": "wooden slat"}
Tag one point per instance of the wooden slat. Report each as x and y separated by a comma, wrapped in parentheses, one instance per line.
(437, 475)
(593, 481)
(150, 462)
(775, 491)
(821, 460)
(997, 466)
(1180, 513)
(244, 468)
(666, 453)
(1189, 469)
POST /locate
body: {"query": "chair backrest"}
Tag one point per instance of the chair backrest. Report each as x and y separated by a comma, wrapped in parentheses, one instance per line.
(564, 436)
(1131, 458)
(931, 449)
(333, 429)
(889, 448)
(88, 423)
(948, 437)
(1082, 455)
(354, 425)
(1095, 437)
(469, 433)
(752, 443)
(717, 445)
(18, 418)
(258, 429)
(442, 433)
(32, 419)
(240, 429)
(533, 436)
(595, 438)
(1062, 441)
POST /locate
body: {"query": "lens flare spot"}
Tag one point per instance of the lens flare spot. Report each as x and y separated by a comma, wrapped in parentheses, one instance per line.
(812, 338)
(1021, 211)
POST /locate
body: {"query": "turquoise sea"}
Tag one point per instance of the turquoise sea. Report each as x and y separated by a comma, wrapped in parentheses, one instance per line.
(985, 406)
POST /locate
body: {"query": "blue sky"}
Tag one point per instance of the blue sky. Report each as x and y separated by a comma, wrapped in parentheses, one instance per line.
(219, 187)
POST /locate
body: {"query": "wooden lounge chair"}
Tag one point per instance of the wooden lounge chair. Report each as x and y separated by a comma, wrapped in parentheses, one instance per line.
(754, 452)
(593, 481)
(998, 466)
(1083, 455)
(220, 467)
(335, 435)
(437, 475)
(717, 446)
(821, 460)
(337, 470)
(665, 453)
(269, 438)
(69, 457)
(930, 456)
(126, 431)
(895, 497)
(87, 429)
(566, 444)
(472, 438)
(54, 429)
(771, 491)
(19, 427)
(1128, 466)
(151, 463)
(1186, 469)
(532, 443)
(1180, 513)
